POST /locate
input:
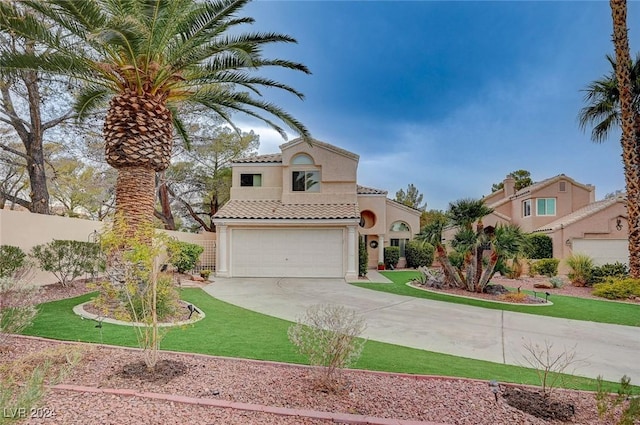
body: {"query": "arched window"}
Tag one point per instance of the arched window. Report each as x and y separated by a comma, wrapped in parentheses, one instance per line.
(399, 226)
(302, 159)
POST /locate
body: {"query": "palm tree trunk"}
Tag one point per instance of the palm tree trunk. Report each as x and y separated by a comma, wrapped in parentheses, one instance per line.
(629, 153)
(449, 271)
(135, 196)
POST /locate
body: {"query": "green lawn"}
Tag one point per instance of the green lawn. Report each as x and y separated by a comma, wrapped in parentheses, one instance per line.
(563, 306)
(235, 332)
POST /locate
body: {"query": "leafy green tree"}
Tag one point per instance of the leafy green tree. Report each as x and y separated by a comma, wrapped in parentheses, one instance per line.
(522, 179)
(432, 223)
(411, 198)
(148, 58)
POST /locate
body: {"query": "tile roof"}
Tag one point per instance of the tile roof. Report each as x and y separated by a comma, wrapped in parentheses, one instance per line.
(363, 190)
(535, 186)
(272, 157)
(272, 209)
(580, 214)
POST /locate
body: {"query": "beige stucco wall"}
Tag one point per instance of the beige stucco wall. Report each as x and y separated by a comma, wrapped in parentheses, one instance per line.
(271, 181)
(26, 230)
(377, 205)
(338, 174)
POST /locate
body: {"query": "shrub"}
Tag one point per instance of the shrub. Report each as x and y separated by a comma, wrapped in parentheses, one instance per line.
(581, 267)
(514, 297)
(601, 273)
(16, 305)
(391, 257)
(556, 282)
(456, 259)
(419, 254)
(540, 246)
(68, 260)
(12, 258)
(184, 255)
(166, 299)
(363, 258)
(328, 336)
(205, 274)
(546, 267)
(616, 289)
(625, 402)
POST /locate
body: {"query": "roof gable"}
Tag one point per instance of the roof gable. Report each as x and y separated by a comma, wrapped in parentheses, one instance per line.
(321, 145)
(581, 214)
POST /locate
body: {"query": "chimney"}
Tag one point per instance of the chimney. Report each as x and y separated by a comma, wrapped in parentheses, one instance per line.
(509, 186)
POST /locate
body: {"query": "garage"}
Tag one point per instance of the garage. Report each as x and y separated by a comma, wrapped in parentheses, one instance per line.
(287, 252)
(603, 251)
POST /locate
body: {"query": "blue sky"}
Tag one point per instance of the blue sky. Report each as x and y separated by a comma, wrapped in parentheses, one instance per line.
(449, 96)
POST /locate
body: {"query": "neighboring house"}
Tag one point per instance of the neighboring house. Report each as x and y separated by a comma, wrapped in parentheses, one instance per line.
(299, 213)
(566, 211)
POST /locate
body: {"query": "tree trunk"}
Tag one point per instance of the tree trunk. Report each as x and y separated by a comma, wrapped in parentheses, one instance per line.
(135, 196)
(629, 152)
(37, 176)
(166, 215)
(450, 273)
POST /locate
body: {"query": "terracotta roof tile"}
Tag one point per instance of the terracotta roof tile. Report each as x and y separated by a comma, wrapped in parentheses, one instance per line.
(271, 209)
(272, 157)
(363, 190)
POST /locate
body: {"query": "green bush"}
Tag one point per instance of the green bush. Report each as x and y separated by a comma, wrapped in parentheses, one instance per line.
(581, 268)
(68, 260)
(617, 289)
(456, 259)
(419, 254)
(546, 267)
(167, 298)
(363, 258)
(391, 257)
(540, 246)
(601, 273)
(184, 255)
(12, 258)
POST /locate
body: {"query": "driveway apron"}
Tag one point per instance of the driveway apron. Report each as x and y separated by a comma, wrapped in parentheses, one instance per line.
(493, 335)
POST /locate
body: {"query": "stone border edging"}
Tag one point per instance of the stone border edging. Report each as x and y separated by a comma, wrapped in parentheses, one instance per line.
(80, 311)
(225, 404)
(547, 304)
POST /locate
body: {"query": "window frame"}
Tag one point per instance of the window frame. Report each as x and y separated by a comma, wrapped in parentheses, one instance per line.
(314, 188)
(401, 243)
(399, 223)
(526, 208)
(253, 179)
(545, 200)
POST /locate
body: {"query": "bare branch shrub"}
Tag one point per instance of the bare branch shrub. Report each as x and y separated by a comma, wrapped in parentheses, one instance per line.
(549, 365)
(17, 309)
(328, 335)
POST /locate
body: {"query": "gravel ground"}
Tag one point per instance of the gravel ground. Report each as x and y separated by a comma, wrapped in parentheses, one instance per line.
(449, 401)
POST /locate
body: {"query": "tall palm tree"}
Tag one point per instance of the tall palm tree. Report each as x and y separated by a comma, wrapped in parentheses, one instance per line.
(628, 118)
(147, 58)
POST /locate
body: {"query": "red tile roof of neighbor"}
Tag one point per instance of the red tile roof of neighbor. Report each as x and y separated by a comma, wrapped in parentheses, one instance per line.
(260, 159)
(363, 190)
(273, 209)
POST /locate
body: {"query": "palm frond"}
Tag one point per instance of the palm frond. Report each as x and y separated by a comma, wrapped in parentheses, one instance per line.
(89, 99)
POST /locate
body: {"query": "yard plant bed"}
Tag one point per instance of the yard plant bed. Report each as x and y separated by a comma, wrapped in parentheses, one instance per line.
(382, 395)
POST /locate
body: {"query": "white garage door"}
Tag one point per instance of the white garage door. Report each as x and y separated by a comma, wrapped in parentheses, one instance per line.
(603, 251)
(287, 253)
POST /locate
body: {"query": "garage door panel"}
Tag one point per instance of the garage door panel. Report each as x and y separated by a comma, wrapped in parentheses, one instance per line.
(603, 251)
(287, 253)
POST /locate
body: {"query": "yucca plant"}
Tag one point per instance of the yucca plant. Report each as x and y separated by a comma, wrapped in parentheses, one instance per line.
(581, 268)
(147, 59)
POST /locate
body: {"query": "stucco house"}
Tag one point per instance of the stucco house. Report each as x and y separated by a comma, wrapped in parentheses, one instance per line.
(567, 211)
(300, 212)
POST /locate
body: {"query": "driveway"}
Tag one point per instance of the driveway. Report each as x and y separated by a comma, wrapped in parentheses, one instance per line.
(497, 336)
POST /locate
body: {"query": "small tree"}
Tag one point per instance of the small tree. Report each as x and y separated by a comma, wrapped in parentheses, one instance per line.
(328, 336)
(66, 259)
(549, 364)
(363, 258)
(133, 268)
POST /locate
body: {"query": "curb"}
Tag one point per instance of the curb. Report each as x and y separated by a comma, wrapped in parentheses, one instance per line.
(344, 418)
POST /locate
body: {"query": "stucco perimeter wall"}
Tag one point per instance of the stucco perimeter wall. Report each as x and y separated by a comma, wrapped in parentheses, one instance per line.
(26, 230)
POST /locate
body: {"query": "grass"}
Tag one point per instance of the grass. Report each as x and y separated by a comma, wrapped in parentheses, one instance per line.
(564, 307)
(232, 331)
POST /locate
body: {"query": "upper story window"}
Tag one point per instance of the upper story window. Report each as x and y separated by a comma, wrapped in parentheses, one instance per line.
(302, 159)
(526, 208)
(305, 181)
(254, 180)
(399, 226)
(546, 206)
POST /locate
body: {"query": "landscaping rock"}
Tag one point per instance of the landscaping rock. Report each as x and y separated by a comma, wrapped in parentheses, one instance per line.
(543, 285)
(495, 290)
(197, 278)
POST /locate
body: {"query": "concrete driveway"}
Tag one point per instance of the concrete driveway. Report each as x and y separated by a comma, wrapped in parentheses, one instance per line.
(608, 350)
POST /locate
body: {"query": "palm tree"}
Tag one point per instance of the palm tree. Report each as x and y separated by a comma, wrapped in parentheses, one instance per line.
(628, 119)
(148, 58)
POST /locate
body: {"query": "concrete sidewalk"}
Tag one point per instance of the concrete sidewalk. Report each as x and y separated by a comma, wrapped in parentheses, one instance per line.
(498, 336)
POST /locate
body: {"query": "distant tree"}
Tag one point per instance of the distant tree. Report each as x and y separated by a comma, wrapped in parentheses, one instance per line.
(14, 181)
(522, 178)
(411, 198)
(432, 222)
